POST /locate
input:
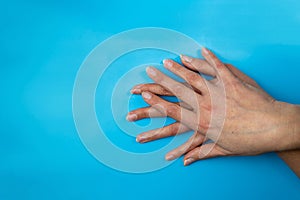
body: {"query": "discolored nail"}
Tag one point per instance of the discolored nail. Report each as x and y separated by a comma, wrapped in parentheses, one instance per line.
(146, 95)
(186, 58)
(131, 117)
(167, 63)
(151, 71)
(170, 157)
(188, 161)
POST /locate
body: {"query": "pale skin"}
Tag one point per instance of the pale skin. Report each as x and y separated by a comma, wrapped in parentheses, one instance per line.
(231, 110)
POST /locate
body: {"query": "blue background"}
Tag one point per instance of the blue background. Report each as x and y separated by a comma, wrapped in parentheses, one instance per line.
(42, 45)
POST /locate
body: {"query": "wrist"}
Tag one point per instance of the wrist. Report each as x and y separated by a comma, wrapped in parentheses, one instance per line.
(288, 125)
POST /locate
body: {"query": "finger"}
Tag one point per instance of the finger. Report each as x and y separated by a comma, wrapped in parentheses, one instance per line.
(151, 87)
(178, 113)
(222, 72)
(192, 78)
(238, 73)
(202, 66)
(155, 89)
(158, 90)
(178, 89)
(142, 113)
(198, 65)
(193, 88)
(150, 112)
(166, 131)
(192, 142)
(205, 151)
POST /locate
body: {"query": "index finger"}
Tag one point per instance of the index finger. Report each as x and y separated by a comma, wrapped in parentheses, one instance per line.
(178, 89)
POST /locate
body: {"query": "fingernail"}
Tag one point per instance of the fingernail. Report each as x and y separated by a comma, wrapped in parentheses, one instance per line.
(146, 95)
(186, 58)
(140, 138)
(131, 117)
(170, 157)
(135, 90)
(151, 71)
(188, 161)
(204, 50)
(167, 63)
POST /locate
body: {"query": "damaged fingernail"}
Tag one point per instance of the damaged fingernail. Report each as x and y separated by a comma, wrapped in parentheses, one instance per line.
(131, 117)
(146, 95)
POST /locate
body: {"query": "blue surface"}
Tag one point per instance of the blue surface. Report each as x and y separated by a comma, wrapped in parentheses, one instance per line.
(42, 45)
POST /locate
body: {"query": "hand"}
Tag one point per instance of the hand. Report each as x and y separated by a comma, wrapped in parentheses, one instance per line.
(254, 122)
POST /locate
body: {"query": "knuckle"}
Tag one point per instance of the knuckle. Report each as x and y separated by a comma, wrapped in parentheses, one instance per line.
(192, 76)
(234, 84)
(219, 65)
(163, 90)
(141, 113)
(199, 63)
(201, 154)
(160, 107)
(203, 125)
(178, 90)
(174, 128)
(194, 62)
(152, 112)
(172, 109)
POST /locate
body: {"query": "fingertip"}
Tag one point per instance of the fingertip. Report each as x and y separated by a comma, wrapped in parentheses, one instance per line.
(188, 161)
(131, 117)
(205, 51)
(151, 71)
(135, 91)
(140, 139)
(137, 139)
(170, 157)
(186, 59)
